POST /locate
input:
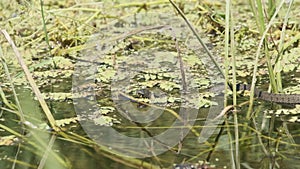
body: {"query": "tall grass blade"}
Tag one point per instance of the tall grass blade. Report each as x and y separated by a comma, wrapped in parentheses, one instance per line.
(21, 114)
(44, 24)
(32, 82)
(281, 48)
(257, 56)
(230, 140)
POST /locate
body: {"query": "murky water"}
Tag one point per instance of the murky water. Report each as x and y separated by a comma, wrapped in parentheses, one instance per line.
(131, 55)
(83, 156)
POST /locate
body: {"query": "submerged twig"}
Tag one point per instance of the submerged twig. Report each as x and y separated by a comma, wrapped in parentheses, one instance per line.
(215, 142)
(183, 77)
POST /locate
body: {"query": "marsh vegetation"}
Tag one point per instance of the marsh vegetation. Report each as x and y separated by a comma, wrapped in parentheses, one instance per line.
(161, 74)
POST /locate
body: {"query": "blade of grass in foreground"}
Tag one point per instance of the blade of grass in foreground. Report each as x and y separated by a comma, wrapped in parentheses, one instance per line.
(235, 118)
(257, 56)
(281, 48)
(32, 82)
(20, 112)
(226, 64)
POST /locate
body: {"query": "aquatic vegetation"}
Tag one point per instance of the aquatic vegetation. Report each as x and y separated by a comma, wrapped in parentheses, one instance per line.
(143, 57)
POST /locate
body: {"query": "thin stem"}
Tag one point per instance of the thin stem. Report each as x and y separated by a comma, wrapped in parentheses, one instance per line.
(256, 59)
(281, 47)
(44, 24)
(233, 163)
(198, 37)
(226, 63)
(20, 112)
(236, 127)
(32, 82)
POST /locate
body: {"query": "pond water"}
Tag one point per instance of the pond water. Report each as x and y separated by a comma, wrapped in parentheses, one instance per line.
(137, 90)
(77, 155)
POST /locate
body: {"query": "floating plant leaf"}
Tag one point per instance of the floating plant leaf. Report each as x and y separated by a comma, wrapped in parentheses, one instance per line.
(106, 109)
(106, 75)
(292, 90)
(293, 119)
(242, 73)
(290, 61)
(58, 96)
(62, 63)
(63, 122)
(53, 74)
(294, 111)
(100, 117)
(105, 121)
(169, 86)
(192, 60)
(200, 83)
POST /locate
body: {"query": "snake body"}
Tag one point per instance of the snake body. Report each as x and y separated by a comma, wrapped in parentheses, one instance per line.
(272, 97)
